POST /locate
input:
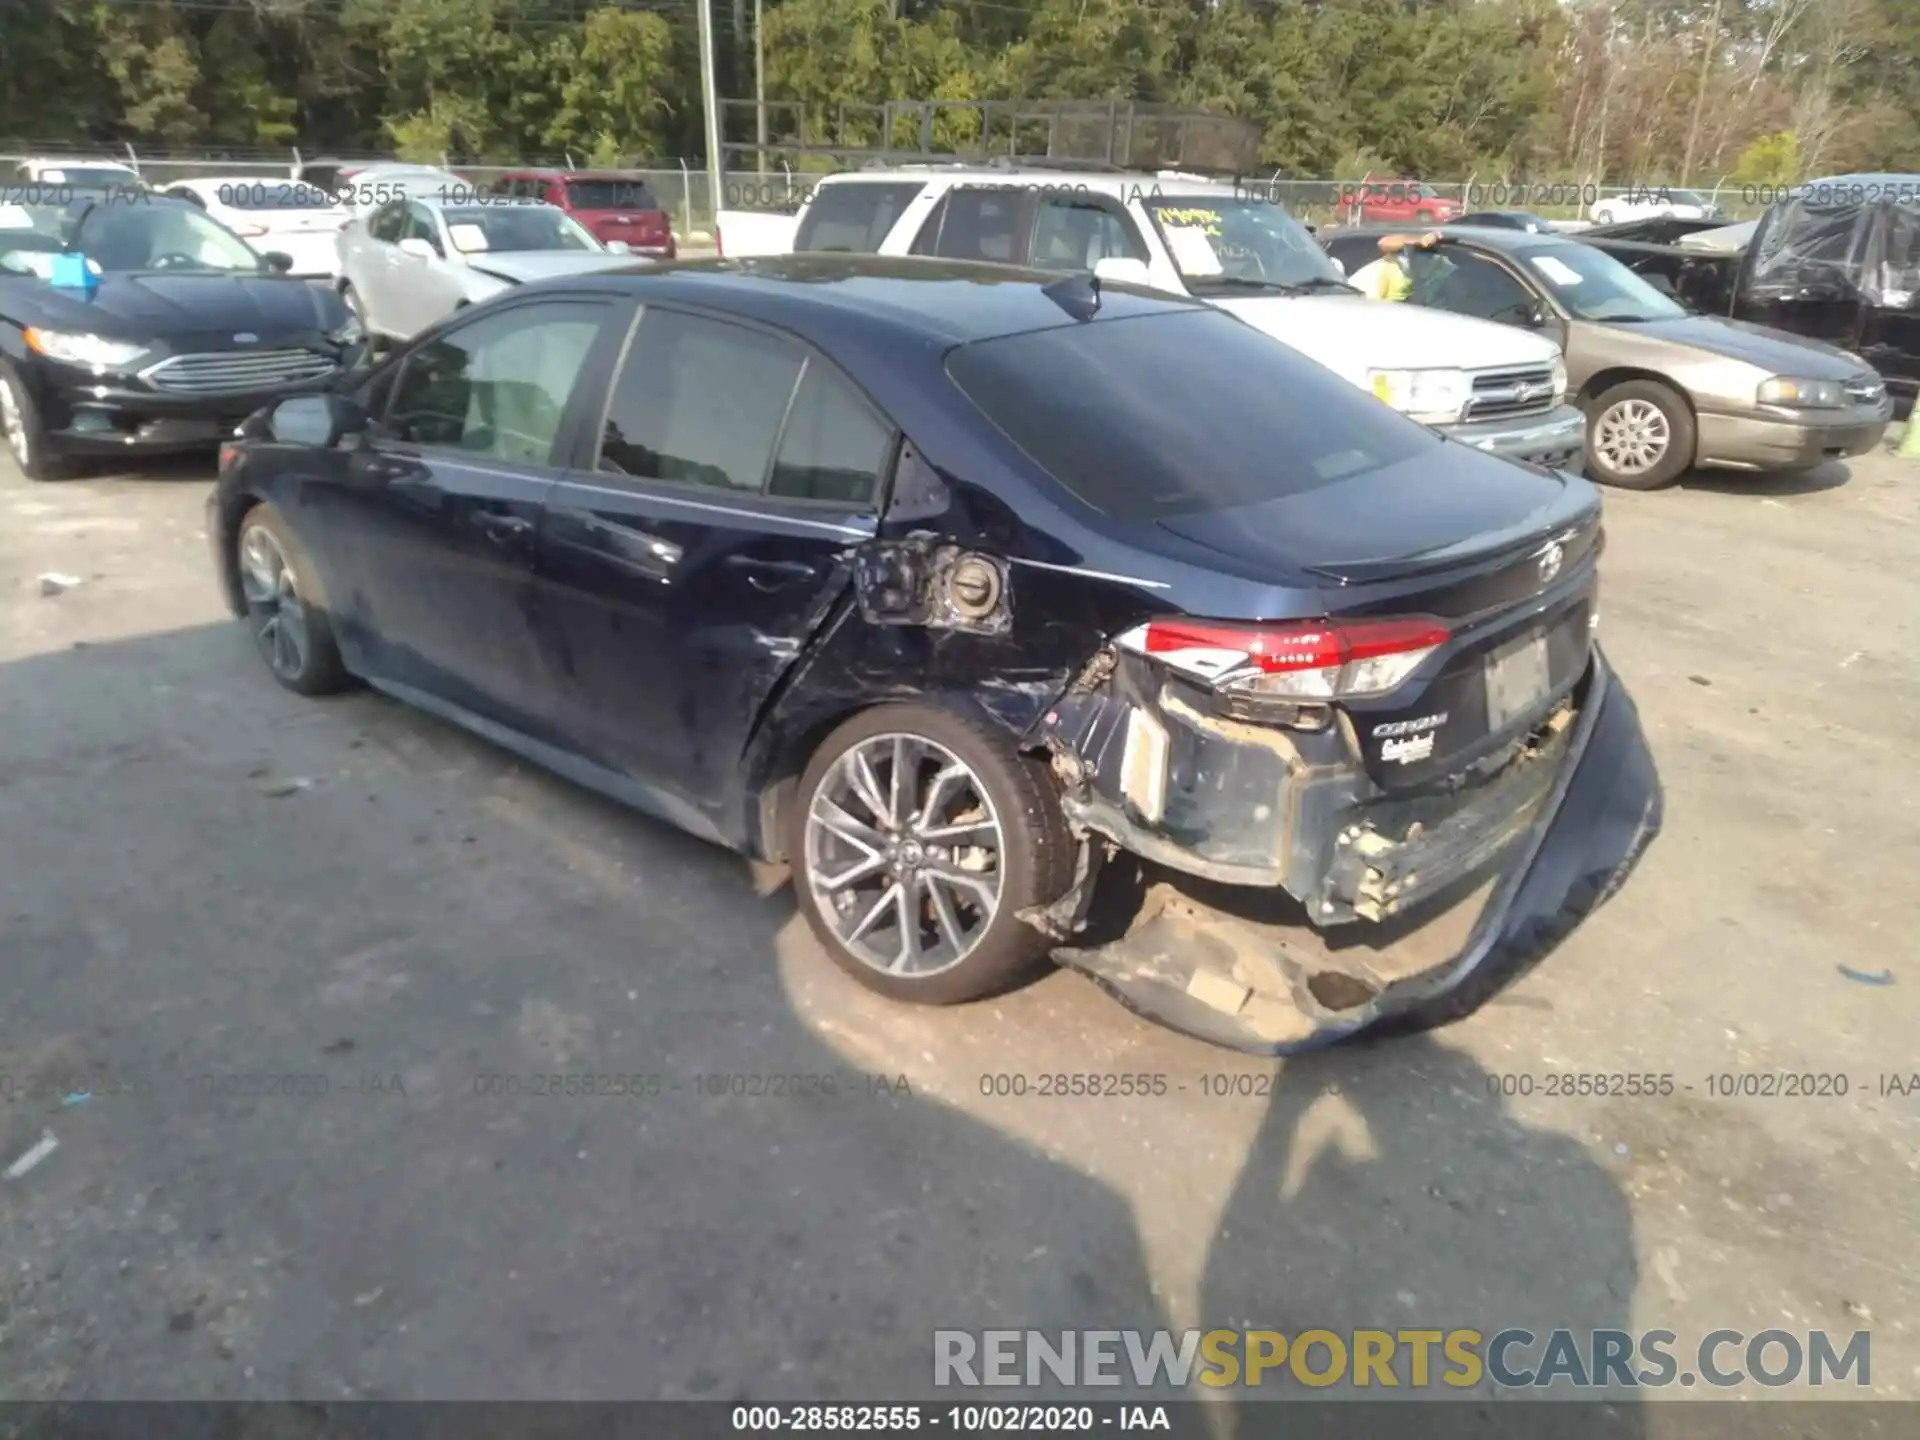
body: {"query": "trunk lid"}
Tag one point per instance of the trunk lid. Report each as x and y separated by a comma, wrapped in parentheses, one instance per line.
(1507, 564)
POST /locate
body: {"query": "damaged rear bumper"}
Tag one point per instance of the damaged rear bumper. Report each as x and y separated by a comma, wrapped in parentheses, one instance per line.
(1456, 908)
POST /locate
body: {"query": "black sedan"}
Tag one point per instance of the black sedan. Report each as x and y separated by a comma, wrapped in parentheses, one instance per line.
(131, 323)
(1004, 607)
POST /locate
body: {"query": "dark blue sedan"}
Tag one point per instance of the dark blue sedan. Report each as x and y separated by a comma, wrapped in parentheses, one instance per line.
(1018, 614)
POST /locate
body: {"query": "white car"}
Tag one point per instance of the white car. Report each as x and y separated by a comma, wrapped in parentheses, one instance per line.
(413, 261)
(366, 188)
(300, 221)
(1499, 387)
(75, 170)
(1652, 203)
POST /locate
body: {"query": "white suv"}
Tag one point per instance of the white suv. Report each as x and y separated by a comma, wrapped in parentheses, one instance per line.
(1493, 386)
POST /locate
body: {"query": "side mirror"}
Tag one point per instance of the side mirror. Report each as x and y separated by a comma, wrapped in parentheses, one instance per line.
(278, 261)
(321, 421)
(1537, 316)
(1122, 271)
(619, 247)
(415, 246)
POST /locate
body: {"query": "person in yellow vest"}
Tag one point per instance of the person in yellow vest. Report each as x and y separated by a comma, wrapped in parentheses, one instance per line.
(1390, 277)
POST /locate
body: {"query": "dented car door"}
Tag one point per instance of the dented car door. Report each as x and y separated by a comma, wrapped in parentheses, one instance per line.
(683, 566)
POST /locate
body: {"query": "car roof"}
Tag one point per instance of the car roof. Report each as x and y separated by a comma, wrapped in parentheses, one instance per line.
(940, 302)
(88, 160)
(1114, 182)
(477, 201)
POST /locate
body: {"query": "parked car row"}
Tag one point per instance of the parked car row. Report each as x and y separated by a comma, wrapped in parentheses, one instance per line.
(1623, 380)
(1491, 386)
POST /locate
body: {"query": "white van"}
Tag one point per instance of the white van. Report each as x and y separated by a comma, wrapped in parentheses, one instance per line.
(1490, 385)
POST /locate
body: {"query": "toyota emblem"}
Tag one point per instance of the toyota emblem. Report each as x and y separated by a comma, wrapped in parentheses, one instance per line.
(1550, 559)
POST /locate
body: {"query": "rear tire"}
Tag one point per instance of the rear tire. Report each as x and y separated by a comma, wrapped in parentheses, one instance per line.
(23, 432)
(917, 892)
(289, 625)
(1640, 436)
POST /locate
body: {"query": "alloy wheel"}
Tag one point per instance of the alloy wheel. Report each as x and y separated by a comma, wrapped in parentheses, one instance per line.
(278, 614)
(904, 854)
(1631, 437)
(13, 421)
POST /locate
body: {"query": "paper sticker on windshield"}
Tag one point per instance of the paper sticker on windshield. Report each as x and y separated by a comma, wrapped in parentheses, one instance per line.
(1555, 269)
(467, 238)
(15, 217)
(1202, 217)
(53, 177)
(1192, 251)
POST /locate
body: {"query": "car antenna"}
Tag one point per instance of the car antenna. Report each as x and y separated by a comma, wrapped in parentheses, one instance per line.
(1078, 295)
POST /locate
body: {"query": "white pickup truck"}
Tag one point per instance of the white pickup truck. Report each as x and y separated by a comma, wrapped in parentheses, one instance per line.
(1494, 386)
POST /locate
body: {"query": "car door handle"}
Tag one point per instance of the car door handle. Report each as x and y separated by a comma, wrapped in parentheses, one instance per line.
(503, 528)
(771, 574)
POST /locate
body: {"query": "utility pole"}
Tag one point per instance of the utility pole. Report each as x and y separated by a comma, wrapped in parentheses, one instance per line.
(759, 90)
(712, 99)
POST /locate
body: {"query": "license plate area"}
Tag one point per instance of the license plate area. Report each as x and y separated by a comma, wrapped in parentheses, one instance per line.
(1518, 680)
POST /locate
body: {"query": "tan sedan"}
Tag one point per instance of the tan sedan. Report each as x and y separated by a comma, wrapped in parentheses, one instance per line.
(1663, 389)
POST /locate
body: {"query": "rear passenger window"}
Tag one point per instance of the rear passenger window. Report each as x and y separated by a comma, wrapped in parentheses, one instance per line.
(835, 445)
(854, 216)
(975, 225)
(699, 402)
(1075, 234)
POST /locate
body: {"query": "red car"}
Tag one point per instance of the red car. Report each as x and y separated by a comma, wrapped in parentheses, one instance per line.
(1399, 202)
(612, 207)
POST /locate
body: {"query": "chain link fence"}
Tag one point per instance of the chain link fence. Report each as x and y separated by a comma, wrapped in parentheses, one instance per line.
(684, 191)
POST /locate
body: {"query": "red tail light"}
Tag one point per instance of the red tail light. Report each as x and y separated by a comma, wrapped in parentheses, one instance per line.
(719, 250)
(1323, 660)
(229, 453)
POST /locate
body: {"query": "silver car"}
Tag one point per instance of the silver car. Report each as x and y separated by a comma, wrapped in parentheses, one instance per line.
(415, 260)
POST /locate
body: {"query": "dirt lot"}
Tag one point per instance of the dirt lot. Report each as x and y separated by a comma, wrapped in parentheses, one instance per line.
(205, 879)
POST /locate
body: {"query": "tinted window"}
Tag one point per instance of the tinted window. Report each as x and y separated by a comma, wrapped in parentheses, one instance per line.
(834, 445)
(853, 216)
(977, 225)
(699, 401)
(387, 223)
(417, 224)
(610, 195)
(147, 236)
(1473, 285)
(498, 386)
(1178, 414)
(1071, 234)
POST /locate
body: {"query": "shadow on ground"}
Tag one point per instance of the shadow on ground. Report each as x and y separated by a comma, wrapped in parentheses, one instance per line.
(312, 961)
